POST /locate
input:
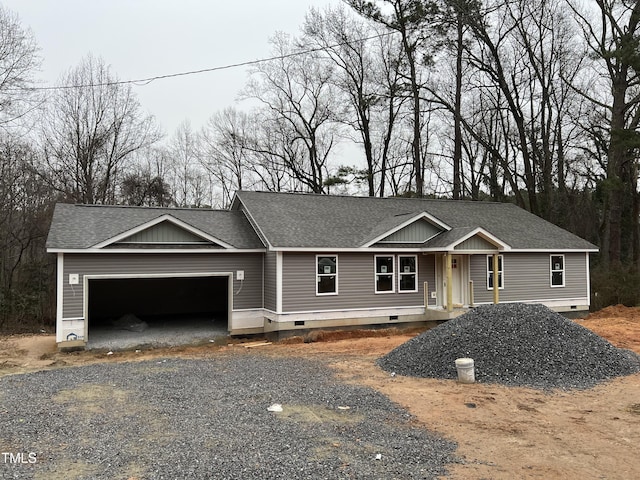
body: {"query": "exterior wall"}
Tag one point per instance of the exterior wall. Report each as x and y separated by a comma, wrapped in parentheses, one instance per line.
(270, 298)
(356, 284)
(249, 296)
(428, 265)
(527, 278)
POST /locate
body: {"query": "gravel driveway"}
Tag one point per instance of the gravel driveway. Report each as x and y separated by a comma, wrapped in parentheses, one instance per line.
(177, 419)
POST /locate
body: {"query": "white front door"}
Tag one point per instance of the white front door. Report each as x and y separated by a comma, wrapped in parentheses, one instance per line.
(457, 280)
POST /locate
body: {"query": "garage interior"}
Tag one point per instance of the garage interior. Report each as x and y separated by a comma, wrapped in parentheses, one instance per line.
(128, 312)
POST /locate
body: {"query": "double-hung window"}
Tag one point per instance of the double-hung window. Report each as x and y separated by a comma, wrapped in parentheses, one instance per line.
(557, 270)
(407, 273)
(490, 273)
(326, 275)
(384, 274)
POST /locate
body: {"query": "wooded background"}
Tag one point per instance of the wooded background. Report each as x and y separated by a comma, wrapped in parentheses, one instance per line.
(535, 102)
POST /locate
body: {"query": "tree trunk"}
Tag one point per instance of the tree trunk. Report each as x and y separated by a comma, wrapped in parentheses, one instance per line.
(457, 139)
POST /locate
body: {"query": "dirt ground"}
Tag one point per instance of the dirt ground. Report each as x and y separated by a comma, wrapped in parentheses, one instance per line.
(502, 432)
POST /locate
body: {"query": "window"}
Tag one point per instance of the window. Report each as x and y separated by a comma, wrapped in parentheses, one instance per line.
(384, 274)
(407, 273)
(326, 275)
(557, 270)
(490, 272)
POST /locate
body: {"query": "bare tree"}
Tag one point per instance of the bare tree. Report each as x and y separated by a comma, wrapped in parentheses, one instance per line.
(25, 209)
(343, 37)
(389, 111)
(613, 39)
(413, 21)
(19, 60)
(224, 152)
(185, 168)
(91, 126)
(298, 101)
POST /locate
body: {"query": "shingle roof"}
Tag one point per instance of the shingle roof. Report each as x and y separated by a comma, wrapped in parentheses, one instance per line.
(447, 238)
(83, 226)
(290, 220)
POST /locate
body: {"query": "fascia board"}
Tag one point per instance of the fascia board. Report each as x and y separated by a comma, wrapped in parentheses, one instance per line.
(512, 250)
(344, 249)
(156, 250)
(156, 221)
(556, 250)
(420, 216)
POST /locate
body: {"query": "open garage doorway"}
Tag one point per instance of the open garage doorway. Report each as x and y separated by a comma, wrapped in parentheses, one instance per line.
(156, 310)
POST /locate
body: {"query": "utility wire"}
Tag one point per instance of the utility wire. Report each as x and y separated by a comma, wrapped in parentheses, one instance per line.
(148, 80)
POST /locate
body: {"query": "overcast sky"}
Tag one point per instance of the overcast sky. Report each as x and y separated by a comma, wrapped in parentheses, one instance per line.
(146, 38)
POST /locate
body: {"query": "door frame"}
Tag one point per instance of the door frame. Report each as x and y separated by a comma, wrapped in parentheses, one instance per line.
(460, 275)
(117, 276)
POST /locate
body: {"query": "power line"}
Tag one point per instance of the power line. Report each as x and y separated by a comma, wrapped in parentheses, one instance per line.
(148, 80)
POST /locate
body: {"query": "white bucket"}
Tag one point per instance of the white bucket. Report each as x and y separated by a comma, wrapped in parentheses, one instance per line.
(466, 373)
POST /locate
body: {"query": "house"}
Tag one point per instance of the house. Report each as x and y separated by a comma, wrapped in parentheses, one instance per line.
(277, 262)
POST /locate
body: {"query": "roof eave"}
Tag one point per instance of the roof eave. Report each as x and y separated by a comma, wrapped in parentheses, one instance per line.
(156, 250)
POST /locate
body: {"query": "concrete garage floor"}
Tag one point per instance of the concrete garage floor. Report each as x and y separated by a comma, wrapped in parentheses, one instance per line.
(165, 332)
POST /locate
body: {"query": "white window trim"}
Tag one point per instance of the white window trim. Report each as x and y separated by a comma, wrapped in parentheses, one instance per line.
(500, 260)
(552, 271)
(375, 274)
(318, 275)
(415, 272)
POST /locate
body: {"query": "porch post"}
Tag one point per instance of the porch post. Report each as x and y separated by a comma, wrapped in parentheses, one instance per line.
(496, 280)
(447, 260)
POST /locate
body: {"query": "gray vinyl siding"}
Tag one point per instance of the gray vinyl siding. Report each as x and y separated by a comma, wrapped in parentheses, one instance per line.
(163, 232)
(475, 243)
(428, 269)
(356, 283)
(526, 277)
(250, 295)
(416, 232)
(270, 299)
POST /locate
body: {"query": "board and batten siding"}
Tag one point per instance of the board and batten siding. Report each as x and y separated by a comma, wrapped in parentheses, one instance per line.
(249, 296)
(527, 277)
(416, 232)
(475, 243)
(356, 283)
(270, 274)
(163, 232)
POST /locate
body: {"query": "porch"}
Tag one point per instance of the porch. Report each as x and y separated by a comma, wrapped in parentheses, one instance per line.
(454, 291)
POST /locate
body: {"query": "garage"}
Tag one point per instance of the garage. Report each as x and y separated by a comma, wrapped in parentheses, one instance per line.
(128, 311)
(178, 275)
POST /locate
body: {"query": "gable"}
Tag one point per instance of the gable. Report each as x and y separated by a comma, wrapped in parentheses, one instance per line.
(94, 227)
(174, 231)
(416, 232)
(475, 243)
(164, 232)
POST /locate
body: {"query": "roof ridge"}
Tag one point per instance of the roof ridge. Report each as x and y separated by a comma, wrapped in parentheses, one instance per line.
(366, 197)
(142, 207)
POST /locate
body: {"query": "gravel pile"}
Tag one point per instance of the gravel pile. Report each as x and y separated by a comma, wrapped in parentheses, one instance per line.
(176, 418)
(514, 344)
